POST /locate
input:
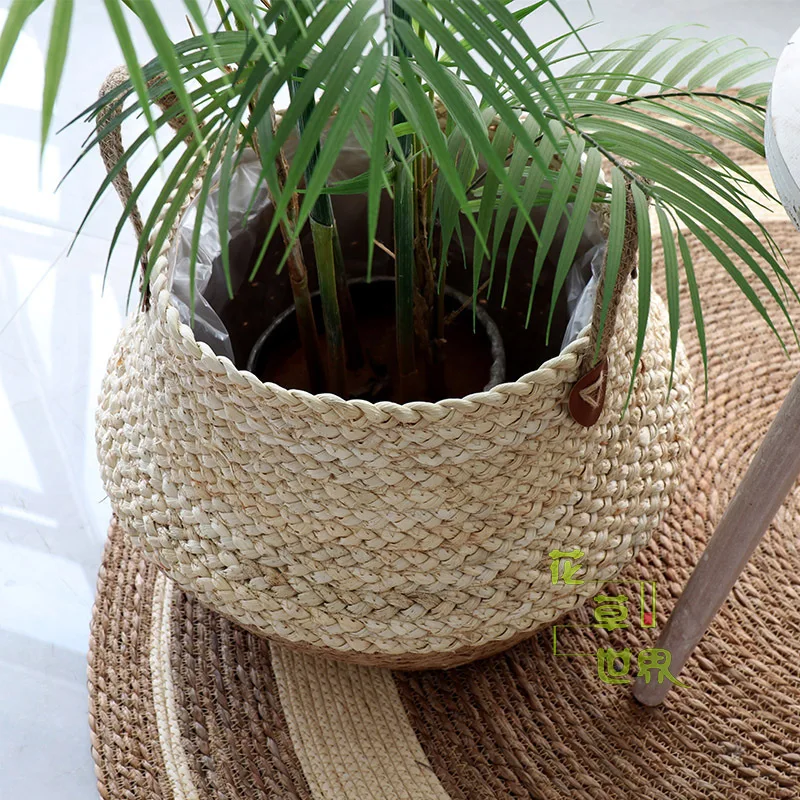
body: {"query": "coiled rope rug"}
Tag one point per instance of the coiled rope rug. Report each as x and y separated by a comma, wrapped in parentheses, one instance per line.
(186, 706)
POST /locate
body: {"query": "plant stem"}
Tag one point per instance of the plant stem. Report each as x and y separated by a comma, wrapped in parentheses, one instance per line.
(352, 341)
(404, 217)
(324, 251)
(322, 214)
(439, 321)
(668, 95)
(304, 312)
(404, 267)
(296, 265)
(440, 312)
(428, 346)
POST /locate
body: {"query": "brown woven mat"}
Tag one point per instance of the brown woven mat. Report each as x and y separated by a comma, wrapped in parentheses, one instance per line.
(186, 705)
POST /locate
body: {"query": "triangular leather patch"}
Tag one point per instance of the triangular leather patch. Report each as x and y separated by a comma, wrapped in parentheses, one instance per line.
(588, 395)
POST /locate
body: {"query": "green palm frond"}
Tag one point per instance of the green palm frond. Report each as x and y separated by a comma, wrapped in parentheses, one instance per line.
(18, 14)
(526, 125)
(585, 196)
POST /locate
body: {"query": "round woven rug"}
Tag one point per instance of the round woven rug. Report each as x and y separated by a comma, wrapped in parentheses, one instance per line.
(186, 706)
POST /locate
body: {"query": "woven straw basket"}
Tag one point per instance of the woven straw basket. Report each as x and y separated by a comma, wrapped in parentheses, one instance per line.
(409, 536)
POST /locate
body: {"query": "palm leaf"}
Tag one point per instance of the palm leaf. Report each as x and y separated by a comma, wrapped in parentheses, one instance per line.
(697, 309)
(722, 257)
(18, 14)
(567, 177)
(645, 279)
(534, 182)
(337, 134)
(135, 72)
(448, 205)
(587, 190)
(501, 144)
(341, 76)
(516, 172)
(169, 61)
(377, 177)
(54, 66)
(615, 102)
(204, 117)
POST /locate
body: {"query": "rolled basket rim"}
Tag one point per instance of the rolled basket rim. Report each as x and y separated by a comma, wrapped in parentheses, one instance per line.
(412, 411)
(567, 358)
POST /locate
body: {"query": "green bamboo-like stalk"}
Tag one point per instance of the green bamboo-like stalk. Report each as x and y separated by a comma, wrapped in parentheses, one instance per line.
(322, 236)
(404, 271)
(296, 265)
(352, 340)
(322, 217)
(404, 216)
(322, 233)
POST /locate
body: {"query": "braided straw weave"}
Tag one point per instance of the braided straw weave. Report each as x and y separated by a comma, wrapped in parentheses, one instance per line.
(406, 536)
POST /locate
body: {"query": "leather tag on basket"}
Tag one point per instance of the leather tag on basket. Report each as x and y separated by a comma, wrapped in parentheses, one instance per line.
(588, 395)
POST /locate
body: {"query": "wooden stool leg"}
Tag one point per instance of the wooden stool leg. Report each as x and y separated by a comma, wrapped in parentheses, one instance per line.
(761, 493)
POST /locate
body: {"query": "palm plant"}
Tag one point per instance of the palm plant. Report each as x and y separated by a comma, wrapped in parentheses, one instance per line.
(468, 122)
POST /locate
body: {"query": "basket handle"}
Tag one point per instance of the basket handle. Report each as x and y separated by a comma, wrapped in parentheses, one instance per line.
(112, 149)
(588, 395)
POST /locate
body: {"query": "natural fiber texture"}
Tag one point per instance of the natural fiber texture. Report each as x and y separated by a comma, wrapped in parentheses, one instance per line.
(258, 722)
(406, 536)
(363, 705)
(111, 148)
(379, 530)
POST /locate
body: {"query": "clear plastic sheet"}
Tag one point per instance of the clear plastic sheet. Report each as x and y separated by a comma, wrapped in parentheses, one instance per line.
(581, 284)
(581, 288)
(207, 325)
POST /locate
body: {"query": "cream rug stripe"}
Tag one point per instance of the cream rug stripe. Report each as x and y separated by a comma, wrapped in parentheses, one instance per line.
(169, 732)
(350, 731)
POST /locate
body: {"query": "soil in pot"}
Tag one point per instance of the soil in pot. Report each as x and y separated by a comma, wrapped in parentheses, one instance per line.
(472, 360)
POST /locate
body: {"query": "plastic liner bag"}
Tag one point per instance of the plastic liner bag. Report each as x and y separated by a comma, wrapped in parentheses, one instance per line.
(581, 283)
(210, 281)
(581, 288)
(207, 325)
